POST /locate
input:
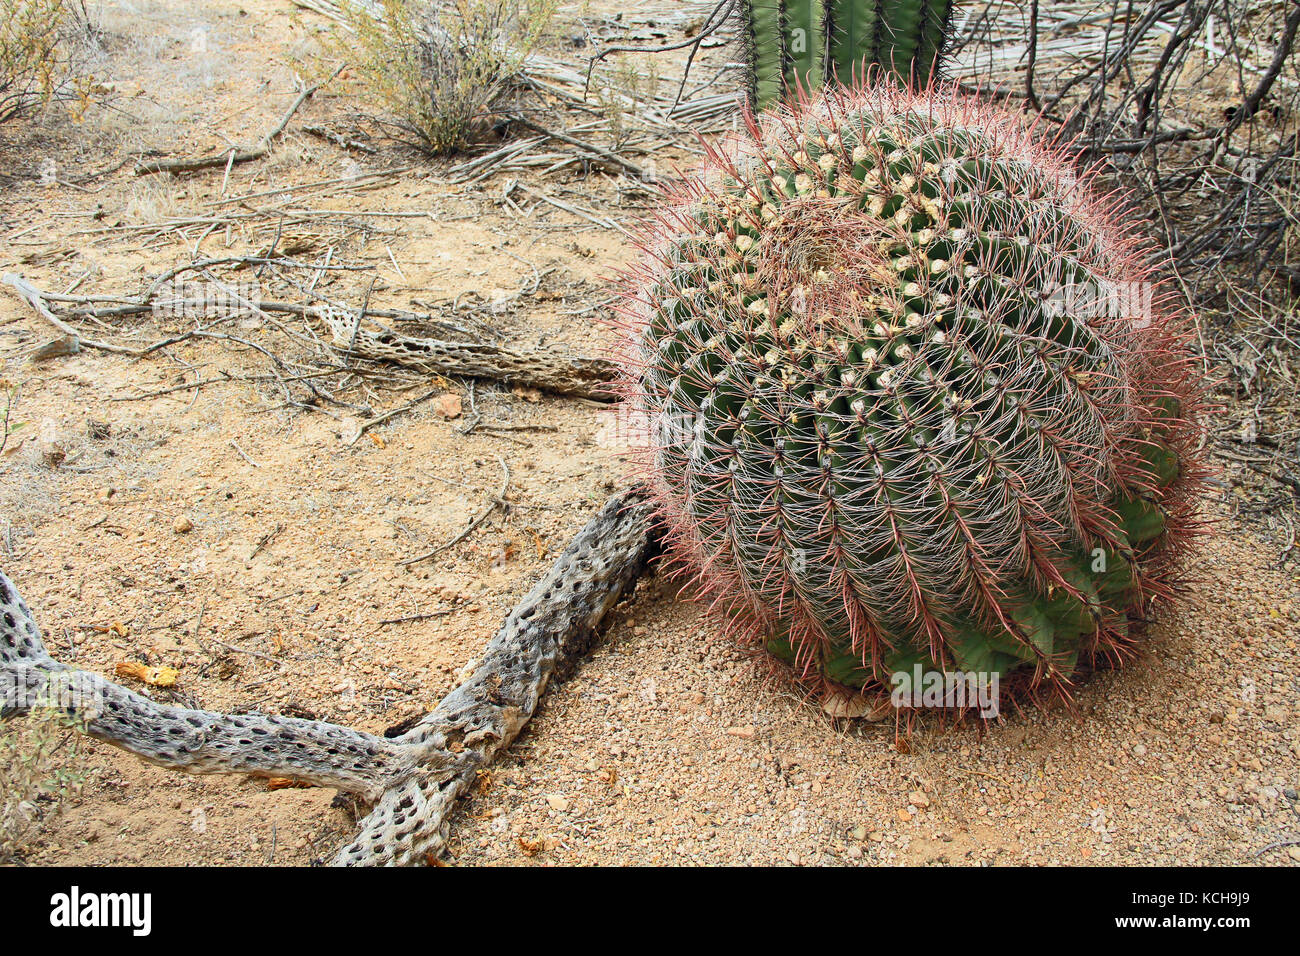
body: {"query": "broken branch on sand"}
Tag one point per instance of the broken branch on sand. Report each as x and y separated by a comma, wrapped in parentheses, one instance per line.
(234, 155)
(581, 377)
(36, 299)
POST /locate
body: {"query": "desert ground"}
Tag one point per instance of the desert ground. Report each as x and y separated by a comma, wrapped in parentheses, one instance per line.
(249, 538)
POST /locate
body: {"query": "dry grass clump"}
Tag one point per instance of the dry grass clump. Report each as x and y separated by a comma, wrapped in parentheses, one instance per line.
(443, 69)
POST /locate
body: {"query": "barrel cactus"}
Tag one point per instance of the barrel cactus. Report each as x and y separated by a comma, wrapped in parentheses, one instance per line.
(797, 45)
(910, 396)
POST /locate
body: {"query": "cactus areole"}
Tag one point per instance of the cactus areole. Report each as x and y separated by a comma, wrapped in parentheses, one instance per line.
(911, 398)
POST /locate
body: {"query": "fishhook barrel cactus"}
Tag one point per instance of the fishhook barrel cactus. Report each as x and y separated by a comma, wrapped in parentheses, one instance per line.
(911, 396)
(793, 45)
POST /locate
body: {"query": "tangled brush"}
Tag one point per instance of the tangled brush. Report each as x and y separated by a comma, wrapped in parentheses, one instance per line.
(910, 398)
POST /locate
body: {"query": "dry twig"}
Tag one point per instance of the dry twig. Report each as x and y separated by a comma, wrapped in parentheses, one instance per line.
(229, 157)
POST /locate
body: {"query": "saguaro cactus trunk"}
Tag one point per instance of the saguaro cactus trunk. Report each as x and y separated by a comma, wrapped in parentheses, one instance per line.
(800, 44)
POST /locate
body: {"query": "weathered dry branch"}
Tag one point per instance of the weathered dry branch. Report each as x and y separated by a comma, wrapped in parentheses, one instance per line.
(413, 780)
(558, 374)
(229, 157)
(599, 154)
(36, 299)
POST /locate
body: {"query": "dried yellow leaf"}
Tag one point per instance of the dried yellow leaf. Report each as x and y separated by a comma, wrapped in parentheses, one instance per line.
(153, 676)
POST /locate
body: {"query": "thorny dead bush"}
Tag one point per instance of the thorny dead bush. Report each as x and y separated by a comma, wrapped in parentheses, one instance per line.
(38, 756)
(1193, 105)
(443, 69)
(38, 43)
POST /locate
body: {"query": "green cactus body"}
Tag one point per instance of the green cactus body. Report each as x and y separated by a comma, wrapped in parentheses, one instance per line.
(882, 428)
(798, 44)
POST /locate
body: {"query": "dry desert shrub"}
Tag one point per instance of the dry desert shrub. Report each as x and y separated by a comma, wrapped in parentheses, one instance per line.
(443, 69)
(38, 47)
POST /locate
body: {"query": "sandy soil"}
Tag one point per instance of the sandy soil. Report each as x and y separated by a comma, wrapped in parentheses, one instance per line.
(246, 544)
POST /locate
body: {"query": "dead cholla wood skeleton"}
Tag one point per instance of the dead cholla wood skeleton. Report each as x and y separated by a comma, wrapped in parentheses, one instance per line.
(583, 377)
(548, 370)
(413, 781)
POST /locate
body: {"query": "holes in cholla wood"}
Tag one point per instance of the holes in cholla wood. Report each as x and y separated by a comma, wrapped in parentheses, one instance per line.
(620, 532)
